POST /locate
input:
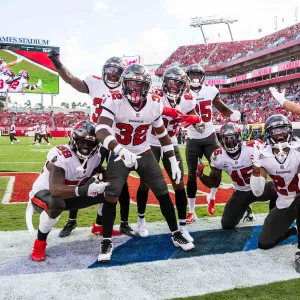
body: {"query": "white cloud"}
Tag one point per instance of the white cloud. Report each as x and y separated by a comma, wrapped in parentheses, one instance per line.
(103, 8)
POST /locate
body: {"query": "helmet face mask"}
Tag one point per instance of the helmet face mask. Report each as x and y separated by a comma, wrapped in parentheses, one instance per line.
(83, 139)
(231, 138)
(24, 74)
(174, 84)
(112, 71)
(196, 76)
(136, 82)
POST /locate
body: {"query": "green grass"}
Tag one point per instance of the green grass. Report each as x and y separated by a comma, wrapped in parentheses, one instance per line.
(49, 80)
(285, 290)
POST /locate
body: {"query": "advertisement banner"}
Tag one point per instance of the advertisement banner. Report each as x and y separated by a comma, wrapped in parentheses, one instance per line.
(27, 69)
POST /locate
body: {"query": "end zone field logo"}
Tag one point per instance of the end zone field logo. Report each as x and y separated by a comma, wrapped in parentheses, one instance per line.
(20, 184)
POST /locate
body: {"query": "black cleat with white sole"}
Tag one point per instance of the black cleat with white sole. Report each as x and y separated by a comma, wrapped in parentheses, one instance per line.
(180, 242)
(106, 248)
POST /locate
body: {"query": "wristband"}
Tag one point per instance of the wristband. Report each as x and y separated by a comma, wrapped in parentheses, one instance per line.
(164, 133)
(107, 140)
(167, 148)
(56, 62)
(117, 149)
(76, 191)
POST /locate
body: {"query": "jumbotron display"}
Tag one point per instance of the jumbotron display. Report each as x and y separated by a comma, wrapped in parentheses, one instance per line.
(27, 69)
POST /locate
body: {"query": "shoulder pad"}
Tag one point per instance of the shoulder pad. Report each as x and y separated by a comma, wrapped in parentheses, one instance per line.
(188, 96)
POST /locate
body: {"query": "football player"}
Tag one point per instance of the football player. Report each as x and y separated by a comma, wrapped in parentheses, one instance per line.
(66, 183)
(21, 82)
(12, 133)
(36, 130)
(5, 79)
(131, 114)
(280, 159)
(97, 88)
(174, 105)
(235, 158)
(3, 64)
(43, 134)
(202, 142)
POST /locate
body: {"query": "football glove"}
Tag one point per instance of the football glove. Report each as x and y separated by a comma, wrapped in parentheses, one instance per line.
(189, 120)
(235, 116)
(19, 59)
(172, 112)
(279, 97)
(54, 56)
(200, 169)
(176, 173)
(129, 159)
(92, 189)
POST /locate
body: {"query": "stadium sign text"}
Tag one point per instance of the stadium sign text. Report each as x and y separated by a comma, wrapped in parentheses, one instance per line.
(27, 41)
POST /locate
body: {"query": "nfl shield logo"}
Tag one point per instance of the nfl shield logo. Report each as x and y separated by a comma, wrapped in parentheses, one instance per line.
(281, 167)
(236, 162)
(137, 115)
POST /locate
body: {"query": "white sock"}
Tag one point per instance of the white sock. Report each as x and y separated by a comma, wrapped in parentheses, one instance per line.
(46, 223)
(182, 224)
(212, 194)
(100, 207)
(192, 202)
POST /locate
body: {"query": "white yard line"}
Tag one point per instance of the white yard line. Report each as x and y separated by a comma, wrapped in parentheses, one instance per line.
(21, 162)
(9, 189)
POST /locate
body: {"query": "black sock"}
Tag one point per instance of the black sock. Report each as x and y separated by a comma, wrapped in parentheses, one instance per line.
(99, 219)
(168, 211)
(108, 218)
(297, 207)
(42, 236)
(191, 188)
(272, 203)
(181, 203)
(141, 201)
(73, 214)
(124, 200)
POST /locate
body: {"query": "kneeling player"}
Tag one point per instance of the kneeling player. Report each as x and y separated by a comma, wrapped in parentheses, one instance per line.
(66, 183)
(280, 160)
(234, 157)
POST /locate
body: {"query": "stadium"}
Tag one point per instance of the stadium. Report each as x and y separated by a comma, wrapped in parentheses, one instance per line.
(225, 264)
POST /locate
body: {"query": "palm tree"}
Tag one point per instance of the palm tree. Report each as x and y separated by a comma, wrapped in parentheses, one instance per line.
(39, 106)
(27, 104)
(65, 105)
(84, 104)
(74, 104)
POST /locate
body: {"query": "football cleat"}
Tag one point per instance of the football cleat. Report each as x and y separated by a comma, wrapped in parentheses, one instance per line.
(71, 225)
(106, 248)
(211, 206)
(126, 229)
(297, 261)
(142, 230)
(249, 215)
(186, 235)
(98, 230)
(180, 242)
(191, 217)
(18, 141)
(38, 250)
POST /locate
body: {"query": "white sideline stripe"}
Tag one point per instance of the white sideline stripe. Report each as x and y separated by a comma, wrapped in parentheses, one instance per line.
(32, 62)
(9, 189)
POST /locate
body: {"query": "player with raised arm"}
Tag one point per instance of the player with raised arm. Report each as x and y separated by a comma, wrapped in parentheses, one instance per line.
(97, 88)
(235, 158)
(65, 183)
(130, 116)
(20, 83)
(280, 159)
(3, 64)
(175, 104)
(202, 140)
(12, 133)
(6, 78)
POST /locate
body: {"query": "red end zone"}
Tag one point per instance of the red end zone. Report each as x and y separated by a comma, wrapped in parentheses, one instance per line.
(23, 183)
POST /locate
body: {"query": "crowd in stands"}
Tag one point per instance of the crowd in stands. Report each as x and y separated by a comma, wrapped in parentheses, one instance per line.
(67, 120)
(258, 104)
(218, 53)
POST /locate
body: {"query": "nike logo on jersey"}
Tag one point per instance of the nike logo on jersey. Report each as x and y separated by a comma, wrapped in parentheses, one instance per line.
(283, 172)
(136, 121)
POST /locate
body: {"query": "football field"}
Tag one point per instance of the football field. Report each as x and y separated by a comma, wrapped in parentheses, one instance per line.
(224, 264)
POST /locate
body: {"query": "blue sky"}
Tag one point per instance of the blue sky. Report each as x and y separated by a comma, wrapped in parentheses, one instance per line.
(91, 31)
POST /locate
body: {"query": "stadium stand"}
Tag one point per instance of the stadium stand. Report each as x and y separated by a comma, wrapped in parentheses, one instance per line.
(219, 53)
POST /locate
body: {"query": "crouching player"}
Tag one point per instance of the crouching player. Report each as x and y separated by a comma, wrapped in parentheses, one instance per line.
(281, 161)
(66, 183)
(235, 158)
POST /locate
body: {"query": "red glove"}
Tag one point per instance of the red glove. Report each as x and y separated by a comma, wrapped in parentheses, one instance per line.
(200, 169)
(189, 120)
(172, 112)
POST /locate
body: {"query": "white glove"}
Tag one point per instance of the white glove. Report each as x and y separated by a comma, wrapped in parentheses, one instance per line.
(280, 97)
(176, 173)
(19, 59)
(129, 159)
(39, 83)
(97, 188)
(235, 116)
